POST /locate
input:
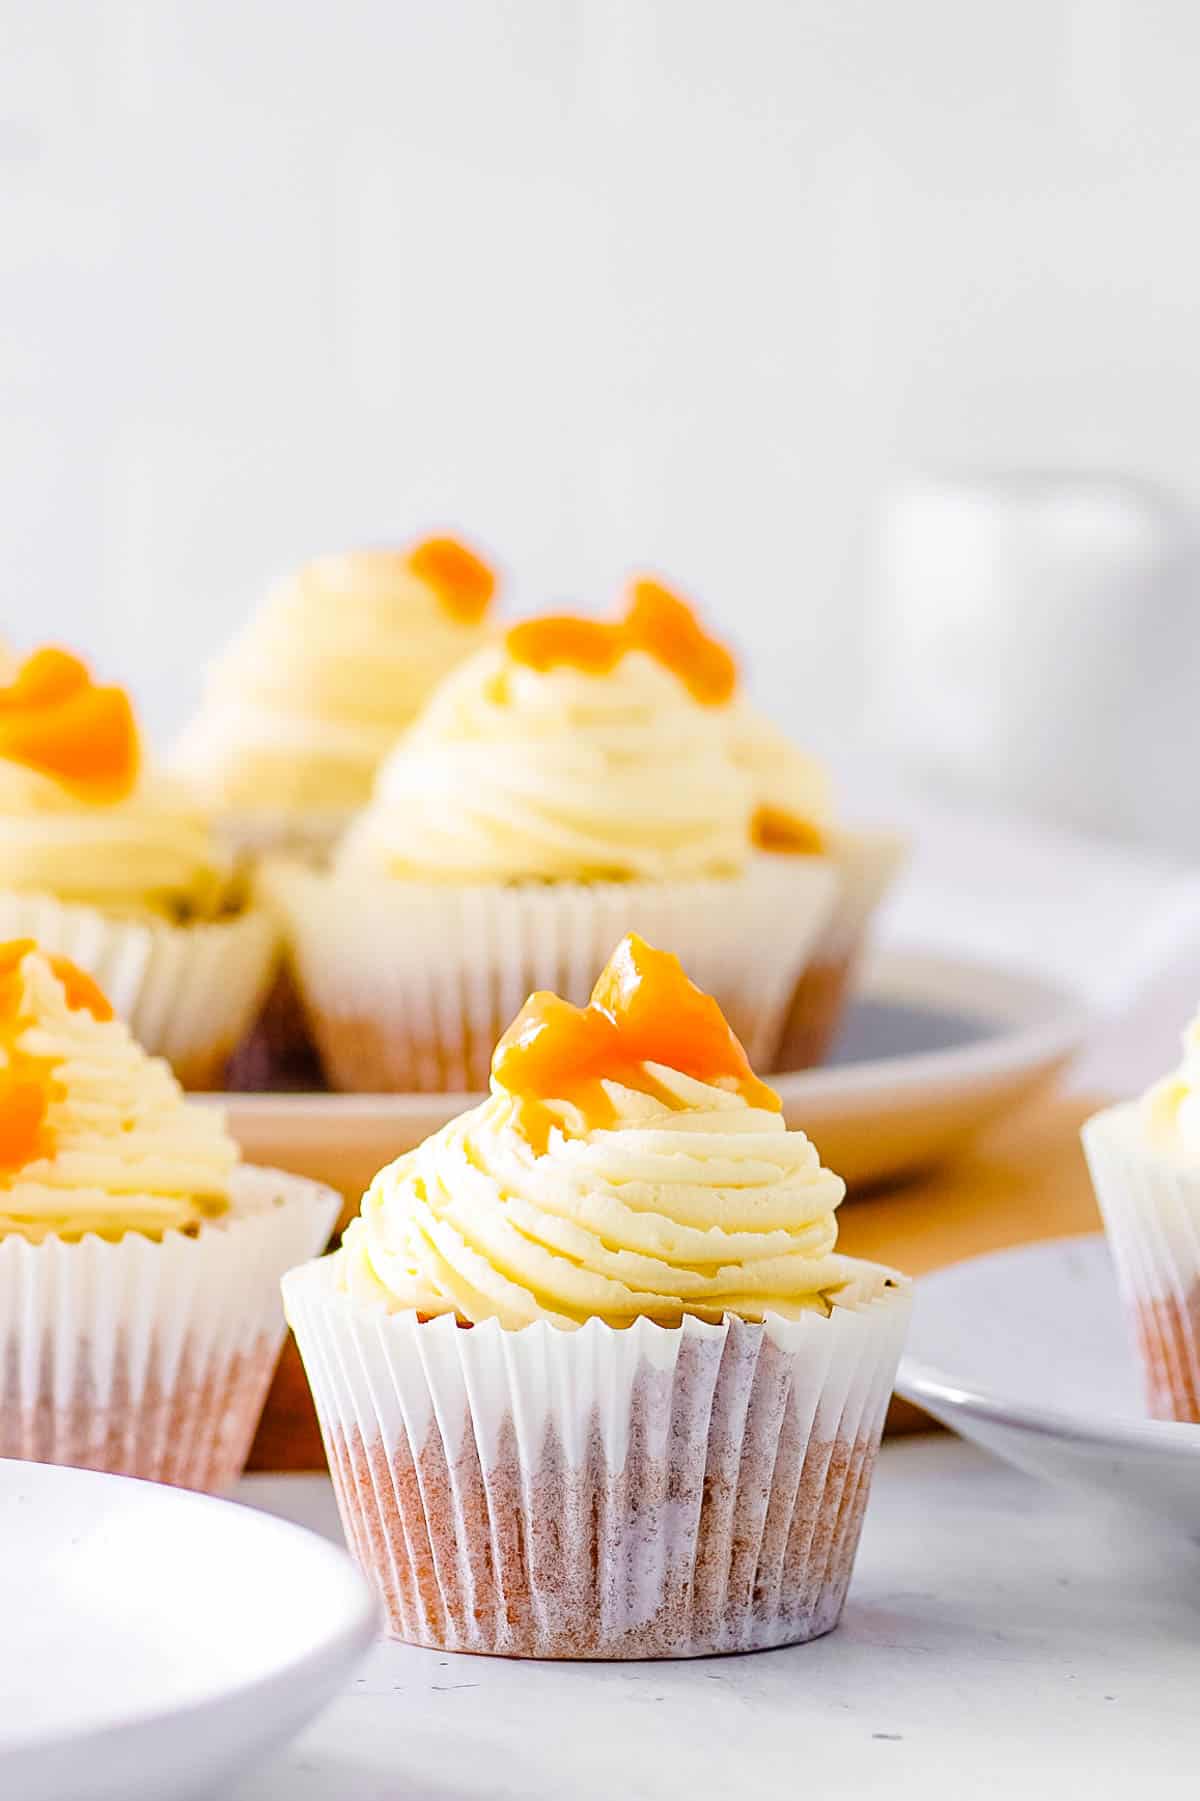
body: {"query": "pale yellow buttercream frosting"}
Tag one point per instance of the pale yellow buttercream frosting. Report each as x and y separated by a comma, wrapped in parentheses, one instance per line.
(118, 1148)
(308, 698)
(695, 1204)
(517, 773)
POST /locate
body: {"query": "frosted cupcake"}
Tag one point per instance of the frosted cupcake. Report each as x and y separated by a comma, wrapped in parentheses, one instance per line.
(570, 783)
(113, 864)
(315, 690)
(139, 1262)
(658, 1435)
(1145, 1162)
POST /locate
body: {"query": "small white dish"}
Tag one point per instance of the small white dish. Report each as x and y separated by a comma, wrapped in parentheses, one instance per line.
(1025, 1351)
(932, 1049)
(155, 1642)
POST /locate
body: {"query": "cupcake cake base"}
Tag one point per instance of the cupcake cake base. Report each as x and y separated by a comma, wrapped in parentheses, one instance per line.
(641, 1493)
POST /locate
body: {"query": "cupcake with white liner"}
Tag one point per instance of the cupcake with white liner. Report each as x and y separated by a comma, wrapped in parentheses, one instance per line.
(794, 815)
(570, 783)
(139, 1261)
(592, 1378)
(313, 692)
(107, 861)
(1145, 1161)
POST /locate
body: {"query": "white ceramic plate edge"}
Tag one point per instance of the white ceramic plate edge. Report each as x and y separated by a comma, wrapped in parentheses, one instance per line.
(937, 1392)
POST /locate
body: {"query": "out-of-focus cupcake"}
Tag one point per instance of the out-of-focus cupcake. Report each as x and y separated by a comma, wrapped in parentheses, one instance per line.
(570, 783)
(795, 816)
(1145, 1161)
(657, 1437)
(309, 697)
(113, 864)
(139, 1263)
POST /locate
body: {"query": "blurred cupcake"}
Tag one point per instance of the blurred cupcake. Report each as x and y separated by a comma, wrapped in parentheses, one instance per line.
(115, 866)
(657, 1438)
(308, 698)
(570, 783)
(139, 1264)
(1145, 1162)
(794, 816)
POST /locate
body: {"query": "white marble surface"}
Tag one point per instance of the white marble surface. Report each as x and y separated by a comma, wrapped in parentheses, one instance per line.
(1000, 1637)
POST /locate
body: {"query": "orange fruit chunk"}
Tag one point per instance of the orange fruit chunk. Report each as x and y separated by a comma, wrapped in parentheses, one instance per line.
(53, 718)
(28, 1084)
(643, 1010)
(564, 638)
(463, 582)
(661, 623)
(773, 829)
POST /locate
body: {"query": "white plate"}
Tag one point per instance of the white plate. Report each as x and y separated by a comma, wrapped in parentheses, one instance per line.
(932, 1049)
(154, 1642)
(1025, 1351)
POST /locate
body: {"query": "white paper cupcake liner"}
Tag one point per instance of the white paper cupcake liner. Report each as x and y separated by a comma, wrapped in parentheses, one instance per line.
(1150, 1201)
(408, 987)
(187, 992)
(152, 1357)
(867, 863)
(600, 1493)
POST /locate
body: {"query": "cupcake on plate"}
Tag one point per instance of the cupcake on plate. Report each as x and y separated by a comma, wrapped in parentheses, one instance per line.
(139, 1261)
(315, 690)
(656, 1439)
(1145, 1161)
(571, 782)
(105, 860)
(794, 815)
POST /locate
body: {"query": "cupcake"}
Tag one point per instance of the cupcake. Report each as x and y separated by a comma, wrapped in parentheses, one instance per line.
(1145, 1162)
(657, 1435)
(571, 782)
(113, 864)
(139, 1262)
(315, 690)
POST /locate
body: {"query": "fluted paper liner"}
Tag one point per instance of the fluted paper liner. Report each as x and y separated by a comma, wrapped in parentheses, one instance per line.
(866, 863)
(152, 1357)
(408, 986)
(1150, 1201)
(648, 1492)
(187, 992)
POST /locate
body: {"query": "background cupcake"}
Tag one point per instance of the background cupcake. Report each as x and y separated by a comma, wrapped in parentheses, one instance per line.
(139, 1263)
(113, 864)
(568, 784)
(314, 691)
(794, 815)
(657, 1438)
(1145, 1162)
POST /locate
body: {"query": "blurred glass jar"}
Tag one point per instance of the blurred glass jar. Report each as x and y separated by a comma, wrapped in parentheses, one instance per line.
(1034, 645)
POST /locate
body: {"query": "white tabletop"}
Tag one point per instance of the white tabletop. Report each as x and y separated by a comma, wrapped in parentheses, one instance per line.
(997, 1631)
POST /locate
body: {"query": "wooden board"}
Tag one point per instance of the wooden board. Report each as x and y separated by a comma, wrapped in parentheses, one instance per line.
(1023, 1180)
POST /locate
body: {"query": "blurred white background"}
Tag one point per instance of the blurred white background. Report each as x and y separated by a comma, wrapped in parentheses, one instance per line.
(607, 282)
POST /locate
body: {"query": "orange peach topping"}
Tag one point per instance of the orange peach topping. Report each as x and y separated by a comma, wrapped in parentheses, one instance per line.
(55, 719)
(462, 581)
(773, 829)
(661, 623)
(27, 1084)
(656, 622)
(643, 1010)
(563, 638)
